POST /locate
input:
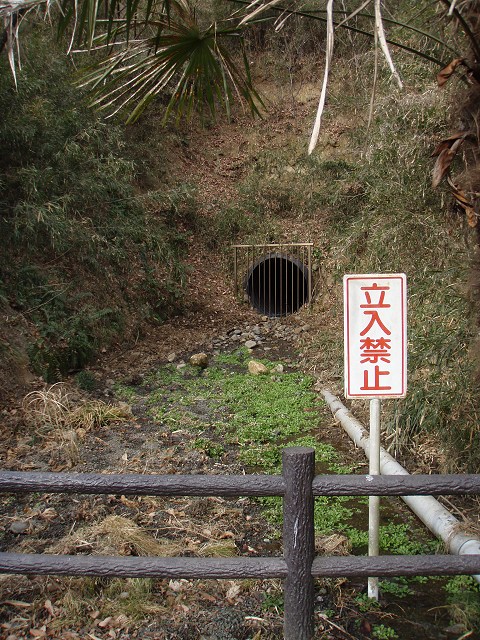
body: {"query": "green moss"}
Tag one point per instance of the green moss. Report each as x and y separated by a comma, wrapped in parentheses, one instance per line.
(125, 392)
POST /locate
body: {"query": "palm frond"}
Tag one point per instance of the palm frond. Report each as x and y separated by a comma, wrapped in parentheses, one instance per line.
(193, 66)
(88, 16)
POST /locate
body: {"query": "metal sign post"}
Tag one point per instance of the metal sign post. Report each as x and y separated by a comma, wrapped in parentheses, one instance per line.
(375, 329)
(374, 501)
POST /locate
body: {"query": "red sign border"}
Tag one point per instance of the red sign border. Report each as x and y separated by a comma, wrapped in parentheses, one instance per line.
(394, 276)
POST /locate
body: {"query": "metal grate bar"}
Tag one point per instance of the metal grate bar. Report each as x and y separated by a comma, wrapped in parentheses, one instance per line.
(276, 278)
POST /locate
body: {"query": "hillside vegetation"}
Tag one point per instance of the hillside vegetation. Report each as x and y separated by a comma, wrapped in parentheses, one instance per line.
(87, 255)
(365, 199)
(116, 266)
(95, 219)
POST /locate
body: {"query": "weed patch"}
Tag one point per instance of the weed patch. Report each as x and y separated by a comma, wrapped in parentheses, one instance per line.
(61, 426)
(464, 602)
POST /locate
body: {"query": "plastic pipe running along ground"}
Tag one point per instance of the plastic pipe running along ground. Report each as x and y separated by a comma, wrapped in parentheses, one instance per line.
(433, 515)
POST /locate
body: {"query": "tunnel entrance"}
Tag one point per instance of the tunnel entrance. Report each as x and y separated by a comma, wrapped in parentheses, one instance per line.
(277, 285)
(275, 282)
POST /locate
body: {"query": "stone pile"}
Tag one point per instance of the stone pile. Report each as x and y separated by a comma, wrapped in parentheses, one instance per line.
(252, 336)
(265, 332)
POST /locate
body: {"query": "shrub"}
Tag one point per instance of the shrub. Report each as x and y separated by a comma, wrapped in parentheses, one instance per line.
(86, 256)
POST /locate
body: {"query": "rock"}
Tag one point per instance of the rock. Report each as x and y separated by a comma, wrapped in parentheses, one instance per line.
(257, 368)
(264, 318)
(135, 380)
(455, 629)
(199, 360)
(171, 357)
(278, 368)
(80, 434)
(182, 365)
(250, 344)
(19, 526)
(109, 383)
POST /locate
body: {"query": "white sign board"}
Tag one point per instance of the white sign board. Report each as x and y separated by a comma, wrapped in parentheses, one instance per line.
(375, 326)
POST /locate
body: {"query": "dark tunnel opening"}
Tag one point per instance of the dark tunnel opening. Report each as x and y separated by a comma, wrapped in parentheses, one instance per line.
(277, 285)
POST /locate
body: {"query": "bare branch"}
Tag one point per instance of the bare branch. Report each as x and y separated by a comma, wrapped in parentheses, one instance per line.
(383, 41)
(328, 60)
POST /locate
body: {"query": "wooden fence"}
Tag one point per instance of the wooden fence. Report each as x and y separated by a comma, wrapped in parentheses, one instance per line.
(298, 567)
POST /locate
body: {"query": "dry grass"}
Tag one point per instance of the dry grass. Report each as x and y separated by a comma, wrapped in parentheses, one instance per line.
(115, 535)
(52, 408)
(61, 425)
(46, 409)
(333, 545)
(95, 414)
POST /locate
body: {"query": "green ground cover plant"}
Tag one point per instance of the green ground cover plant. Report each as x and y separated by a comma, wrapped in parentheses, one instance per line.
(463, 597)
(382, 632)
(257, 416)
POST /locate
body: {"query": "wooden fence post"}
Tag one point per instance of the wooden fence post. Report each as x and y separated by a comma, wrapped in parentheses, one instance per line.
(298, 541)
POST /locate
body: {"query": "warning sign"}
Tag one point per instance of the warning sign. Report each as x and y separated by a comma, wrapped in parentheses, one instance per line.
(375, 326)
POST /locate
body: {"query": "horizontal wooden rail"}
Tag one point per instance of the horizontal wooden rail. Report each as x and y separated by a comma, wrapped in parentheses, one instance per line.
(141, 485)
(390, 566)
(244, 485)
(298, 487)
(231, 568)
(396, 485)
(135, 567)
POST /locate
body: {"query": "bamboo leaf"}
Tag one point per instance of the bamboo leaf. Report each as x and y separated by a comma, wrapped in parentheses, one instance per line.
(257, 9)
(383, 42)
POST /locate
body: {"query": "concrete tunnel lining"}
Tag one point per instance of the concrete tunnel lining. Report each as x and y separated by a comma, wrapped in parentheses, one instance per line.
(277, 285)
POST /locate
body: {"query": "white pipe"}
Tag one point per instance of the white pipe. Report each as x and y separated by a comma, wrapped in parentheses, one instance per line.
(433, 515)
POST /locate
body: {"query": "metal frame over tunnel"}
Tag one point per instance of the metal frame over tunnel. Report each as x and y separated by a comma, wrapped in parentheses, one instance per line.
(275, 278)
